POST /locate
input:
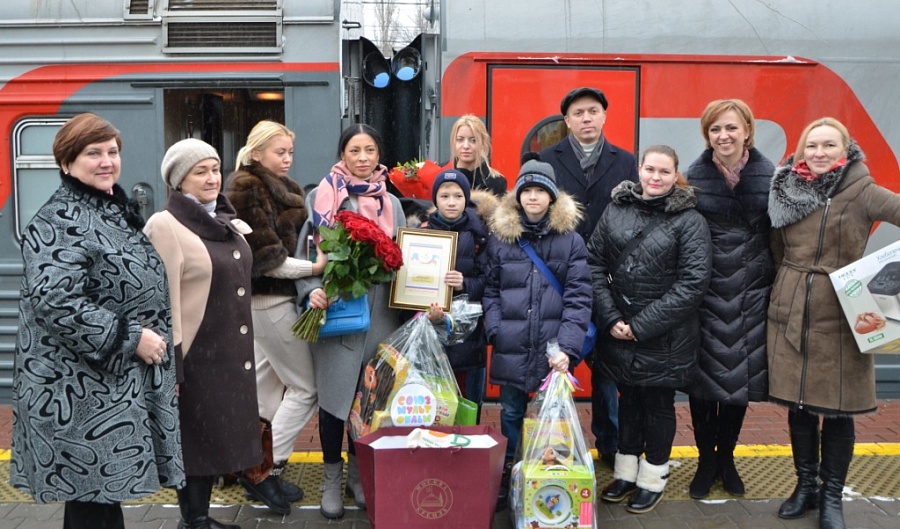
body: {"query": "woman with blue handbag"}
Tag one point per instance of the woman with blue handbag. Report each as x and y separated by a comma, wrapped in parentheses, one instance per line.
(357, 182)
(534, 248)
(266, 198)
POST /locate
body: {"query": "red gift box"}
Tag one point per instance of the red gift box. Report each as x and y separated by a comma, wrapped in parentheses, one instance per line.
(431, 488)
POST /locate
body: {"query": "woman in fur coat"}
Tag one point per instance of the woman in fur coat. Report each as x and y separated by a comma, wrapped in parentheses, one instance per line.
(823, 204)
(274, 206)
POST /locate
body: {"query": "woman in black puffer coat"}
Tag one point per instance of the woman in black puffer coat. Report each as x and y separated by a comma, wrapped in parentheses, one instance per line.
(647, 306)
(731, 180)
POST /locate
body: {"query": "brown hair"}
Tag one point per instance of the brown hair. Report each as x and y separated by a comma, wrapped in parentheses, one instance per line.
(665, 150)
(718, 107)
(78, 133)
(825, 121)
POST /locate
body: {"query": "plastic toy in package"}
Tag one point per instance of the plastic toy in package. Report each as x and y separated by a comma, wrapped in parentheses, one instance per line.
(554, 483)
(409, 382)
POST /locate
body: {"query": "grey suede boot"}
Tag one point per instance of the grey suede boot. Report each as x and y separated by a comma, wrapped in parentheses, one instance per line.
(332, 502)
(354, 485)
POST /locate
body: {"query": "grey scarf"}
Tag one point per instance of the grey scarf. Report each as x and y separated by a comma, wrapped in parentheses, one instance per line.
(209, 207)
(587, 161)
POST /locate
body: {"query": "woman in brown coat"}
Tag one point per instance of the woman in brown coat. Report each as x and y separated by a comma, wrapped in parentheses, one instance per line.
(208, 266)
(823, 204)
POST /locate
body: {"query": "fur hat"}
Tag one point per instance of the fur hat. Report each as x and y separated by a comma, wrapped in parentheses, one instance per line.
(534, 172)
(455, 177)
(181, 157)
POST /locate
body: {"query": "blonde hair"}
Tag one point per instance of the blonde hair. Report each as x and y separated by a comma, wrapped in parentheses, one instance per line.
(718, 107)
(821, 122)
(665, 150)
(259, 136)
(483, 153)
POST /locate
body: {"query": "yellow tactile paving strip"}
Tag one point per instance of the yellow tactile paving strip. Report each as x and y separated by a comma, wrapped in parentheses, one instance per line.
(767, 470)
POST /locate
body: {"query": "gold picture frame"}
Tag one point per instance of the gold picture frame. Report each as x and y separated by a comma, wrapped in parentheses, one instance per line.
(427, 257)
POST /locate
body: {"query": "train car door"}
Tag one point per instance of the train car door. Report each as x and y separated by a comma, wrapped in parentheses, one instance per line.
(523, 115)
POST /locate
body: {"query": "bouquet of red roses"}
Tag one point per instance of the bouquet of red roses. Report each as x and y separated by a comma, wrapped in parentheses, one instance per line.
(360, 254)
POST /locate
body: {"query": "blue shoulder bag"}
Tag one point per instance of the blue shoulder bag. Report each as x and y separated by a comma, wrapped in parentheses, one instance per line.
(590, 339)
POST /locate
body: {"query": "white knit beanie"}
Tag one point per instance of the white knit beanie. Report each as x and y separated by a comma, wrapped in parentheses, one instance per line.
(182, 156)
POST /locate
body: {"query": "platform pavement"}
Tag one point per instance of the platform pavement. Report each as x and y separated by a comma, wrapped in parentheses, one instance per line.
(766, 426)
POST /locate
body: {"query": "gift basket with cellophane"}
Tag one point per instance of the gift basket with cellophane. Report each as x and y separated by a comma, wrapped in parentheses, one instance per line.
(553, 485)
(409, 382)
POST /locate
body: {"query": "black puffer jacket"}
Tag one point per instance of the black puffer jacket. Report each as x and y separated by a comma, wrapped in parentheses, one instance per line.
(733, 313)
(656, 290)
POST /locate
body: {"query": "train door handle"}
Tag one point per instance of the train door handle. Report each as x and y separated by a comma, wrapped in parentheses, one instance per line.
(142, 193)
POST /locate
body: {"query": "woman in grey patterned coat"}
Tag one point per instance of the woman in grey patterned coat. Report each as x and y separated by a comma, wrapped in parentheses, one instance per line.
(95, 418)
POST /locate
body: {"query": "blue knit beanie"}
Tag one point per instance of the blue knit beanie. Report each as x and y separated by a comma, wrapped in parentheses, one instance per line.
(454, 176)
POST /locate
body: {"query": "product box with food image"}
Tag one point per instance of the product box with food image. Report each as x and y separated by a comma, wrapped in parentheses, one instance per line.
(869, 292)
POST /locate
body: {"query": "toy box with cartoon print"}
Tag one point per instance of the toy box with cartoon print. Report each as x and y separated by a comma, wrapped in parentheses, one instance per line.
(869, 294)
(555, 496)
(553, 486)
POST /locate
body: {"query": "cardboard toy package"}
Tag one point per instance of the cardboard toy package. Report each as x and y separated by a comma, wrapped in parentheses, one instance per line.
(556, 497)
(869, 293)
(554, 488)
(431, 488)
(554, 485)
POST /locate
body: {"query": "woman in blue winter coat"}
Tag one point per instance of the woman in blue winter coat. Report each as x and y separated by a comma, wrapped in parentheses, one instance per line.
(522, 310)
(650, 262)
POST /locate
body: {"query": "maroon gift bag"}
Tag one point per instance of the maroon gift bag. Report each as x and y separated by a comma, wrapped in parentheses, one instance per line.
(431, 488)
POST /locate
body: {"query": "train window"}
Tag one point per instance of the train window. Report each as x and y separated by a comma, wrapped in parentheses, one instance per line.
(547, 132)
(35, 175)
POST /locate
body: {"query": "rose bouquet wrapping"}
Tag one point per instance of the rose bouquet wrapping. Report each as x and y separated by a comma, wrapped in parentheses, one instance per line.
(360, 254)
(414, 178)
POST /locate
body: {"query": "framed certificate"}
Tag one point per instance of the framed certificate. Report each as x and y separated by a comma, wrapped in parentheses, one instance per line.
(427, 257)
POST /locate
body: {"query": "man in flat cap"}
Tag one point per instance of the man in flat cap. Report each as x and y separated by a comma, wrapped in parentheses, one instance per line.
(588, 167)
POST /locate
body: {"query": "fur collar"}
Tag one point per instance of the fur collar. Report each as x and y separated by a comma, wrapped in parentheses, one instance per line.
(483, 201)
(563, 216)
(792, 198)
(101, 199)
(284, 190)
(680, 199)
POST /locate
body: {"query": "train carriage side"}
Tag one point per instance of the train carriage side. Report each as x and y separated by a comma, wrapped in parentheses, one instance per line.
(178, 70)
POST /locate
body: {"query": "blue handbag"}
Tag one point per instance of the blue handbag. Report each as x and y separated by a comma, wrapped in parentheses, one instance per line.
(346, 316)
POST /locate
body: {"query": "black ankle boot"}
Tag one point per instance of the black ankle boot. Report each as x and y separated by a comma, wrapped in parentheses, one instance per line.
(837, 452)
(804, 430)
(290, 491)
(731, 480)
(193, 501)
(707, 470)
(269, 492)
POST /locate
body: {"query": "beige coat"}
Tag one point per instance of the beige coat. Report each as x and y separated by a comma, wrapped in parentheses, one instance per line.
(813, 359)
